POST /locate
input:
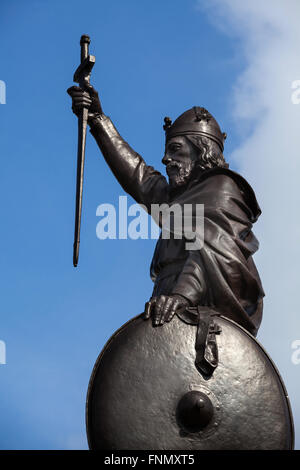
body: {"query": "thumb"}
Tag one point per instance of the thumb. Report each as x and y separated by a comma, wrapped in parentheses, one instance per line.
(90, 89)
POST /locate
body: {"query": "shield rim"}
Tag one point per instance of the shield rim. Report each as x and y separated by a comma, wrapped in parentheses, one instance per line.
(118, 331)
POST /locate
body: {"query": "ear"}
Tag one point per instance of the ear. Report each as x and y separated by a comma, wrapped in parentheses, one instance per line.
(196, 146)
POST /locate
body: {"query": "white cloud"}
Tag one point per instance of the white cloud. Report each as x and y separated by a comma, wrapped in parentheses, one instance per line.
(268, 35)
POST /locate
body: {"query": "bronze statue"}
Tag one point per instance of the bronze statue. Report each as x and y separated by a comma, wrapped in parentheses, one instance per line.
(222, 274)
(215, 288)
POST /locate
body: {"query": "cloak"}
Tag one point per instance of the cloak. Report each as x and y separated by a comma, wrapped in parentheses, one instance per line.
(221, 274)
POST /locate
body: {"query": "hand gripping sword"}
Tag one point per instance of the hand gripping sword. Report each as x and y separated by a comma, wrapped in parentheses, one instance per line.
(81, 76)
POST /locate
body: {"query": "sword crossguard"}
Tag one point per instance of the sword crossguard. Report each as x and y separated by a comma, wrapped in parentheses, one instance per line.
(83, 72)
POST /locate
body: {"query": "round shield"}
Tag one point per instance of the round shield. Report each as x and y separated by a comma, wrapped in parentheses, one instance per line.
(146, 393)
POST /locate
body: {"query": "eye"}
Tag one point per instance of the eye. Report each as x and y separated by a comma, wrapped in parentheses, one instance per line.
(174, 147)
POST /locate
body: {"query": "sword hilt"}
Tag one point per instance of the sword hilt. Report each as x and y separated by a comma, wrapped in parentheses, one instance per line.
(83, 72)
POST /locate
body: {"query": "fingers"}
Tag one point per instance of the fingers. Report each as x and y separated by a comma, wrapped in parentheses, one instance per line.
(79, 96)
(159, 310)
(85, 97)
(80, 100)
(167, 309)
(163, 308)
(153, 307)
(148, 307)
(88, 88)
(171, 310)
(73, 89)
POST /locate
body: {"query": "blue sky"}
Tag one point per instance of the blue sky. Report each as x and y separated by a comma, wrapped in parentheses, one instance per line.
(152, 59)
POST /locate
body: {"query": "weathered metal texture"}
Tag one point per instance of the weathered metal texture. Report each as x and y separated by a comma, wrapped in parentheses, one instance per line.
(143, 373)
(81, 76)
(195, 121)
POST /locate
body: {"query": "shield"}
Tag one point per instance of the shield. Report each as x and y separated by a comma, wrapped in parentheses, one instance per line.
(145, 392)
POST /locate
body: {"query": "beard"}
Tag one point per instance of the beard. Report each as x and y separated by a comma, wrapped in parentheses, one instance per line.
(179, 173)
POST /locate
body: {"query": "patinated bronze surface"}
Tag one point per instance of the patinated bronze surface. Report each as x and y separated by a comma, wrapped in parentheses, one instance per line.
(222, 274)
(81, 76)
(194, 377)
(140, 397)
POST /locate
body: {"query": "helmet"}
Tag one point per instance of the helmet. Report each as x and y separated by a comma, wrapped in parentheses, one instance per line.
(195, 121)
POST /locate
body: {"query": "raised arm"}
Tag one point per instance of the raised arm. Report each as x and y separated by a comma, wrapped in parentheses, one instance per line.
(146, 185)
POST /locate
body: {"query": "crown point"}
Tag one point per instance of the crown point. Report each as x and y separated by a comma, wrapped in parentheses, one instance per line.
(168, 123)
(202, 114)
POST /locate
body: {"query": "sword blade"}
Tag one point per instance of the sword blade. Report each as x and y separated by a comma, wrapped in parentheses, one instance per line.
(82, 125)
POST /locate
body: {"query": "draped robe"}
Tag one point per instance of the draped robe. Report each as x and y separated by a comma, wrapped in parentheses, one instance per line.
(221, 274)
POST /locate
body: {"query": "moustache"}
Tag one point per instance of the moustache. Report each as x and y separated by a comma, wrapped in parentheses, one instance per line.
(173, 165)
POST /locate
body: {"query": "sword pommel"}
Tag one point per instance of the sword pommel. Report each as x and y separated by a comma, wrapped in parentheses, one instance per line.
(85, 39)
(84, 44)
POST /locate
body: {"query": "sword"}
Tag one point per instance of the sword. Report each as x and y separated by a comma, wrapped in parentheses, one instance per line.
(81, 76)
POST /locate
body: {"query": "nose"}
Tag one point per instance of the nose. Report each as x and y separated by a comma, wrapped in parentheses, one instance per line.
(166, 159)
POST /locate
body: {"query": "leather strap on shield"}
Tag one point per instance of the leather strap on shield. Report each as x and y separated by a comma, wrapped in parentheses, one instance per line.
(206, 345)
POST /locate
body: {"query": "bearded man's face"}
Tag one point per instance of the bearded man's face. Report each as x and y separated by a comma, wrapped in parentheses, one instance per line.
(180, 159)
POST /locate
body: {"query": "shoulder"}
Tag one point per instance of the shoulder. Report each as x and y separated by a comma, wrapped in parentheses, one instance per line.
(224, 180)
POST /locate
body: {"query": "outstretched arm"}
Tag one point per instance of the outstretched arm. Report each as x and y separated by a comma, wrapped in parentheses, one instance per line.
(146, 185)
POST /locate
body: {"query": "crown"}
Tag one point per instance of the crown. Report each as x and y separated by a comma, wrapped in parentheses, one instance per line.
(195, 121)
